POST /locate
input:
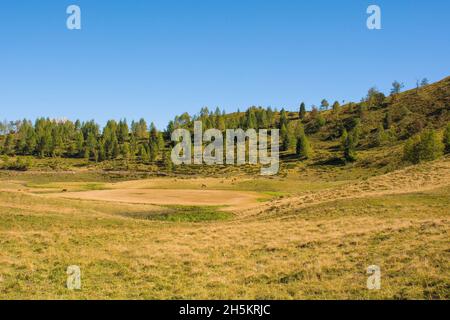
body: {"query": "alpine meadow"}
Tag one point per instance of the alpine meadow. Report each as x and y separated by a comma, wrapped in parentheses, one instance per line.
(232, 157)
(359, 184)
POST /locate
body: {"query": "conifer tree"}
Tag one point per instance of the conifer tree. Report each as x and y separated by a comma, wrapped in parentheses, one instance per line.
(324, 104)
(348, 146)
(381, 136)
(424, 147)
(303, 148)
(302, 111)
(79, 143)
(123, 131)
(284, 138)
(125, 151)
(168, 162)
(8, 146)
(397, 87)
(336, 107)
(283, 119)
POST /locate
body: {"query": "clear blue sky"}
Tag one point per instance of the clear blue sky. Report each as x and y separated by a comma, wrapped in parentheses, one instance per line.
(156, 59)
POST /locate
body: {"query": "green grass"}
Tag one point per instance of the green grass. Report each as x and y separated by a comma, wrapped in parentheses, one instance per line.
(68, 186)
(177, 213)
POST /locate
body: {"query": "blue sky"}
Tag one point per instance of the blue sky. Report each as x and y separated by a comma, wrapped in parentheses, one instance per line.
(156, 59)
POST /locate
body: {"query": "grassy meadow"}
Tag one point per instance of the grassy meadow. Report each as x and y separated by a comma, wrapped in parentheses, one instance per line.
(299, 239)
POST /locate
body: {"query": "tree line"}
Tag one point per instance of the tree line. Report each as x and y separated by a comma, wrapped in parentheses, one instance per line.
(142, 142)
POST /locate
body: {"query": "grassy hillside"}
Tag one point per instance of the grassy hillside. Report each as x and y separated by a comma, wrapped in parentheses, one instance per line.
(383, 125)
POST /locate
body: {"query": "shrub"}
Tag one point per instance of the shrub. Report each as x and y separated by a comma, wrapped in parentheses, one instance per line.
(413, 127)
(446, 139)
(20, 164)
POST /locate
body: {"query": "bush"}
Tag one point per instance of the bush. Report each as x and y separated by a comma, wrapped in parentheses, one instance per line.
(426, 147)
(20, 164)
(413, 127)
(446, 139)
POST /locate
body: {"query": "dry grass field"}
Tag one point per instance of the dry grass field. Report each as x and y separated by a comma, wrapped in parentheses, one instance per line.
(216, 238)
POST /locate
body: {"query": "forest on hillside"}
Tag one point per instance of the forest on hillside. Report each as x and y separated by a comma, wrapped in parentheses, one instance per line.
(419, 116)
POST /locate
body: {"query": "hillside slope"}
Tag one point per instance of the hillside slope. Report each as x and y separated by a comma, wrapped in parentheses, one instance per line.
(412, 179)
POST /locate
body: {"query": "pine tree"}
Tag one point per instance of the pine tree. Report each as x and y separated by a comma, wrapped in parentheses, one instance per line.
(302, 111)
(349, 149)
(143, 154)
(324, 105)
(161, 143)
(397, 87)
(430, 147)
(270, 117)
(303, 148)
(153, 151)
(356, 130)
(26, 139)
(79, 143)
(344, 137)
(381, 136)
(57, 142)
(77, 125)
(101, 151)
(91, 145)
(284, 138)
(410, 149)
(320, 120)
(251, 119)
(424, 82)
(46, 142)
(283, 119)
(8, 146)
(115, 148)
(139, 129)
(292, 139)
(348, 146)
(168, 162)
(123, 131)
(125, 151)
(220, 125)
(263, 122)
(387, 122)
(86, 154)
(336, 107)
(154, 143)
(374, 98)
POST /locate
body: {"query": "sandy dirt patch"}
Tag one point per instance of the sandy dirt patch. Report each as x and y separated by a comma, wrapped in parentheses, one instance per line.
(234, 200)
